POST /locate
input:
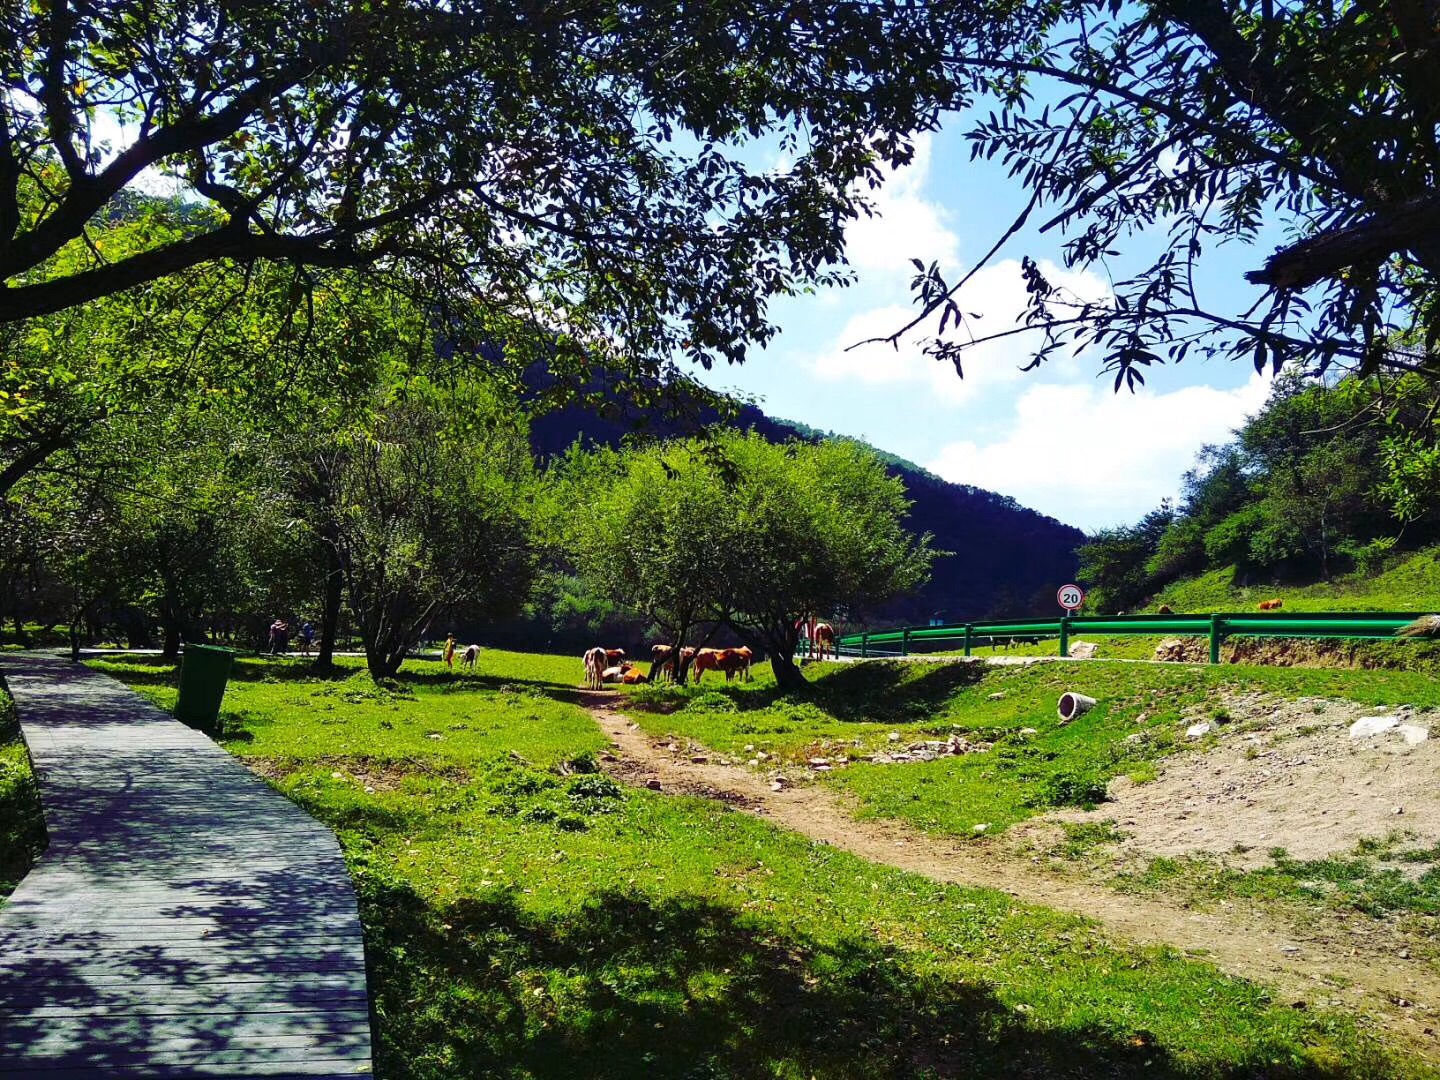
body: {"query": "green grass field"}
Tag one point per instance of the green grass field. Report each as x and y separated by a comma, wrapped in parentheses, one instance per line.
(527, 916)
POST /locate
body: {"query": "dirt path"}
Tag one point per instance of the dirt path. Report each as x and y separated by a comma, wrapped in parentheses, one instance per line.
(1402, 994)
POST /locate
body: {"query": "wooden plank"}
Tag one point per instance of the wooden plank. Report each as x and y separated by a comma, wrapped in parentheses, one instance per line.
(186, 919)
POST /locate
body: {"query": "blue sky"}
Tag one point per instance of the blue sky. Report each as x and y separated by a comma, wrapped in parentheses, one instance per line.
(1056, 439)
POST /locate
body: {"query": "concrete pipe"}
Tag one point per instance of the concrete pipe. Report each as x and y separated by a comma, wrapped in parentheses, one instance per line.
(1072, 705)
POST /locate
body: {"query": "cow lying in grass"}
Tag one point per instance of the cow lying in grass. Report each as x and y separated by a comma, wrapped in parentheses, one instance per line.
(1272, 605)
(626, 673)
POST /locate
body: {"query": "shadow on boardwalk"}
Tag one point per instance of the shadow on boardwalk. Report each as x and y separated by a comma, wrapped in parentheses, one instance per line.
(185, 920)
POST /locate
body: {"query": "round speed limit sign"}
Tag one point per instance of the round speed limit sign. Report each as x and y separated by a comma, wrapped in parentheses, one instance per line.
(1070, 597)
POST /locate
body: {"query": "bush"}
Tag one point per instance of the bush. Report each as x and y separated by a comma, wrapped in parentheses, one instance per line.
(597, 786)
(1369, 559)
(582, 763)
(714, 701)
(1229, 541)
(1070, 789)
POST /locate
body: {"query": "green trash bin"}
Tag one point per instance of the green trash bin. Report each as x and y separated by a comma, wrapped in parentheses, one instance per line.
(204, 671)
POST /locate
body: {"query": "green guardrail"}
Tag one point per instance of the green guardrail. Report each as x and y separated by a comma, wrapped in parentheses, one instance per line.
(1370, 625)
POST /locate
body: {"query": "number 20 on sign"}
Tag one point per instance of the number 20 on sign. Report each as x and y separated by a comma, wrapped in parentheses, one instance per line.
(1070, 597)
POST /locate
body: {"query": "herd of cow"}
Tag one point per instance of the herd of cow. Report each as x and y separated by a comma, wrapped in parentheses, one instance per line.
(610, 666)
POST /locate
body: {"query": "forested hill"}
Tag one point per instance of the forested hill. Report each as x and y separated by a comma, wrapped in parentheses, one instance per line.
(1008, 560)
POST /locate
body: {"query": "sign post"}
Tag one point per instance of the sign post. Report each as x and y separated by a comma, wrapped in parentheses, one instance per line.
(1070, 598)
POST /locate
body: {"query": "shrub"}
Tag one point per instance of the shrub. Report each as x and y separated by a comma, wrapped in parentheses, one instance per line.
(597, 786)
(714, 701)
(1070, 789)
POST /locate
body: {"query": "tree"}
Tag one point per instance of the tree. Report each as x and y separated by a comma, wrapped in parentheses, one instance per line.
(254, 345)
(646, 529)
(580, 173)
(813, 529)
(429, 509)
(1309, 486)
(1113, 562)
(748, 532)
(1200, 121)
(177, 516)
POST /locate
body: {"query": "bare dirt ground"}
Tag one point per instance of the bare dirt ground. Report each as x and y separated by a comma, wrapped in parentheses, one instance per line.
(1312, 965)
(1283, 774)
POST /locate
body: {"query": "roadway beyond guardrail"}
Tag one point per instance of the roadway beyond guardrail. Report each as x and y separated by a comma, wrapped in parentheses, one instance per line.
(1371, 625)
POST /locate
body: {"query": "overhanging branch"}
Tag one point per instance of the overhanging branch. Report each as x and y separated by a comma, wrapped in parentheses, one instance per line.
(1412, 223)
(47, 297)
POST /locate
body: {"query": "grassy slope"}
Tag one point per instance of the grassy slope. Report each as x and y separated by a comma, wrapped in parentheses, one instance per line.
(523, 921)
(1410, 584)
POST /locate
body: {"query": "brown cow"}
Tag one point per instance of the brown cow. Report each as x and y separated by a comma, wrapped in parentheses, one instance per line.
(731, 661)
(618, 672)
(745, 658)
(824, 636)
(706, 660)
(1271, 605)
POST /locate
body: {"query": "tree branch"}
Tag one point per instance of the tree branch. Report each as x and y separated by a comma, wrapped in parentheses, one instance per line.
(89, 193)
(1414, 222)
(231, 242)
(33, 456)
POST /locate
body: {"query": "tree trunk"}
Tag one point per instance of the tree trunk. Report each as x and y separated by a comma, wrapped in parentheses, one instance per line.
(330, 616)
(171, 649)
(679, 667)
(381, 661)
(787, 675)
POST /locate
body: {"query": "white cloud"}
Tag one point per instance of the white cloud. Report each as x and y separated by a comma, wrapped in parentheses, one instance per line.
(883, 363)
(997, 295)
(905, 224)
(1095, 458)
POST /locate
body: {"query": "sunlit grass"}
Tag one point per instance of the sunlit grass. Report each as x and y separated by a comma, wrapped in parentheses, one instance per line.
(526, 916)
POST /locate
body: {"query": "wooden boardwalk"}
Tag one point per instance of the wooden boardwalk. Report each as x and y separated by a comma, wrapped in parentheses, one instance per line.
(185, 921)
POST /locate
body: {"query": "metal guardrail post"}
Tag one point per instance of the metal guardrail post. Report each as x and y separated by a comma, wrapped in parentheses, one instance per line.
(864, 646)
(1064, 637)
(969, 634)
(1215, 639)
(905, 642)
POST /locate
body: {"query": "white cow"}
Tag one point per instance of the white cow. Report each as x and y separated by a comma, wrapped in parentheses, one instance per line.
(595, 664)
